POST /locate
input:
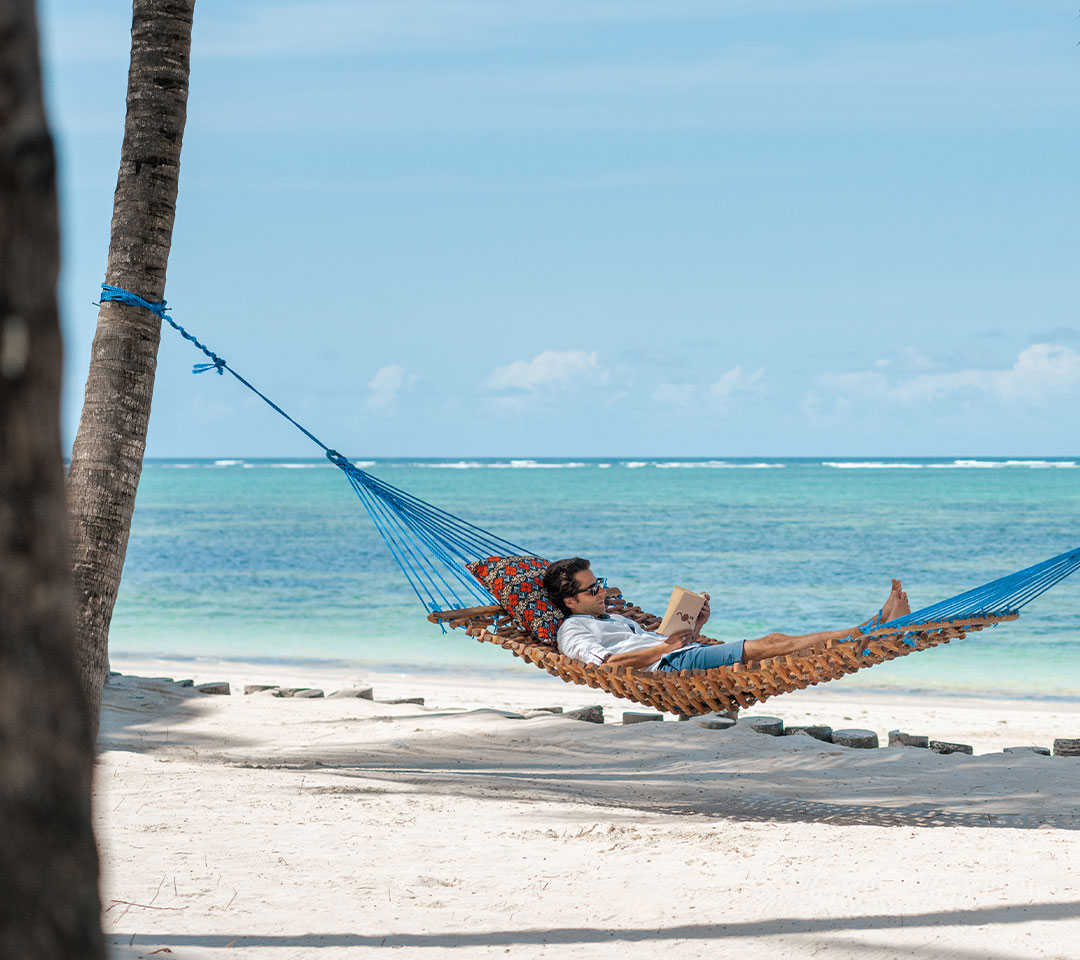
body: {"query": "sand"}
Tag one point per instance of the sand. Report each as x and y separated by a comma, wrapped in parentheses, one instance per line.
(264, 827)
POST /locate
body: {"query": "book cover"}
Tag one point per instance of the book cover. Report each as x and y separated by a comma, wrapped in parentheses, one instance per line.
(682, 611)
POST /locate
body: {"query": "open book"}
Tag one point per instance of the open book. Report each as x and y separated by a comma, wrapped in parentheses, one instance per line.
(682, 611)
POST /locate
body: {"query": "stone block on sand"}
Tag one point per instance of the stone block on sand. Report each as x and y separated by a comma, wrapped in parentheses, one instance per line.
(898, 738)
(854, 737)
(221, 689)
(771, 726)
(418, 701)
(352, 693)
(1041, 751)
(1066, 748)
(185, 683)
(631, 717)
(716, 723)
(943, 746)
(250, 688)
(588, 714)
(819, 731)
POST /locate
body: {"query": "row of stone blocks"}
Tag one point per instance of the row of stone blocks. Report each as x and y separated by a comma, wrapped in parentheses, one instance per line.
(296, 693)
(857, 738)
(771, 726)
(1063, 747)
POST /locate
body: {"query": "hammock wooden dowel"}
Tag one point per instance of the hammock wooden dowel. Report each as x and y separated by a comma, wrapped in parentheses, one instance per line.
(465, 613)
(966, 622)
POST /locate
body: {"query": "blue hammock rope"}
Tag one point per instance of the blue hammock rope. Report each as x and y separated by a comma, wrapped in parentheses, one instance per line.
(433, 547)
(1001, 597)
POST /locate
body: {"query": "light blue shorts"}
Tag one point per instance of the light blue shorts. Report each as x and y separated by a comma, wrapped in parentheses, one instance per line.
(703, 656)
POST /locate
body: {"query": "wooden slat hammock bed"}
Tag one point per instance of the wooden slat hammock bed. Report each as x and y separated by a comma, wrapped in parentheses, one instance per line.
(435, 549)
(691, 693)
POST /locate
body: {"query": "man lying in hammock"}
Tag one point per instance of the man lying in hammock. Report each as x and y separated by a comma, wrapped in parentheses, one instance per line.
(590, 634)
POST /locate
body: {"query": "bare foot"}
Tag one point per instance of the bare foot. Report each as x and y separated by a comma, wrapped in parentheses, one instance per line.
(890, 601)
(896, 605)
(902, 608)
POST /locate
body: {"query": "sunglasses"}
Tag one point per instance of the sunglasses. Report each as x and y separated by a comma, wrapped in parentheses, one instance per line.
(594, 588)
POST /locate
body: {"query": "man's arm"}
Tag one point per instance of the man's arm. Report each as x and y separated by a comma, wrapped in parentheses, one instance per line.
(642, 658)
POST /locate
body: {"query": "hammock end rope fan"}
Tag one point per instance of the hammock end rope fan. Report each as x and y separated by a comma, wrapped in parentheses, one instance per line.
(438, 553)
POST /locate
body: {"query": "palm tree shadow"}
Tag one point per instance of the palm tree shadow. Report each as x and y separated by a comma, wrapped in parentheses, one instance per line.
(819, 929)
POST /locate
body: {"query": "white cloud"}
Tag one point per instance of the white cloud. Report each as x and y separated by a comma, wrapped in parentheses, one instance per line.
(735, 384)
(738, 382)
(914, 359)
(551, 366)
(1042, 372)
(387, 384)
(673, 394)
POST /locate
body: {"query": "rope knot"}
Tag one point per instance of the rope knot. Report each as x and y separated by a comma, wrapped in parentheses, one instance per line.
(110, 293)
(337, 459)
(218, 365)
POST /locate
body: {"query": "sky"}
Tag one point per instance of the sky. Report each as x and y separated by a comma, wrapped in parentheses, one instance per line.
(712, 228)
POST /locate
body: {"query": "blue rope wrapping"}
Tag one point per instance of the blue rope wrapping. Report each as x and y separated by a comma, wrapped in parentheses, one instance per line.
(423, 538)
(431, 546)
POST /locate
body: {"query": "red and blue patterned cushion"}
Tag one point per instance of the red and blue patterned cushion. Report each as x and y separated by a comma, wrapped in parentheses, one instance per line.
(518, 584)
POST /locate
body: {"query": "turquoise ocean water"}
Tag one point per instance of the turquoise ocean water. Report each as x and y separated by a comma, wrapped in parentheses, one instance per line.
(277, 560)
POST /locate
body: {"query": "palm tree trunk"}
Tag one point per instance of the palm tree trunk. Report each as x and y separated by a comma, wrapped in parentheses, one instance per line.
(49, 908)
(106, 460)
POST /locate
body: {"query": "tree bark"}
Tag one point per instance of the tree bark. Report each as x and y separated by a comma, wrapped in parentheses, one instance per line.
(49, 908)
(106, 460)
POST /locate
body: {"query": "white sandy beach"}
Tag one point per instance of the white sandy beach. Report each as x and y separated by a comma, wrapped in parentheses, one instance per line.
(280, 828)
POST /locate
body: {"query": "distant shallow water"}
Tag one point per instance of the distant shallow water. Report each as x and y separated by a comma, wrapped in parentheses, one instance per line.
(276, 558)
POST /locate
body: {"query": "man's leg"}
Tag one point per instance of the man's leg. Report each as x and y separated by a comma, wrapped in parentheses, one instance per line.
(781, 644)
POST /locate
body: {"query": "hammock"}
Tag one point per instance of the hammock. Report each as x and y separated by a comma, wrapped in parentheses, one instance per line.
(433, 548)
(724, 689)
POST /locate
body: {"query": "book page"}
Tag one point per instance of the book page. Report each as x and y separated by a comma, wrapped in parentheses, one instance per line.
(682, 611)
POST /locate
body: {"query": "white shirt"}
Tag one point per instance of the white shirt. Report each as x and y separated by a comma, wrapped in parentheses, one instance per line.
(592, 640)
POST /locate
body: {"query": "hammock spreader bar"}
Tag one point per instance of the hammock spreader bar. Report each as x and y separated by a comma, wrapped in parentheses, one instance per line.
(432, 547)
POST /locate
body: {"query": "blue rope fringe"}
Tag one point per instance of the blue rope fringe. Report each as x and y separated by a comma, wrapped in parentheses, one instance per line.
(432, 547)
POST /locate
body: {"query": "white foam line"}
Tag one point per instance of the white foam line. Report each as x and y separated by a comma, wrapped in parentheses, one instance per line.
(716, 465)
(872, 465)
(459, 465)
(287, 466)
(500, 465)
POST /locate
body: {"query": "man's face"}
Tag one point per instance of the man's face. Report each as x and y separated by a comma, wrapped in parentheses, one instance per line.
(583, 601)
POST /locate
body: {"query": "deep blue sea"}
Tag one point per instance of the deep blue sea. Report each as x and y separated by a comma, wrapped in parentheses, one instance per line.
(277, 559)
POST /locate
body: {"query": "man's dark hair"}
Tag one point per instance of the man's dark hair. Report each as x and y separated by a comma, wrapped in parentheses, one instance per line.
(559, 579)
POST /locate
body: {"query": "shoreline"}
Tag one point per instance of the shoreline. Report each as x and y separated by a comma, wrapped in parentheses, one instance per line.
(510, 670)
